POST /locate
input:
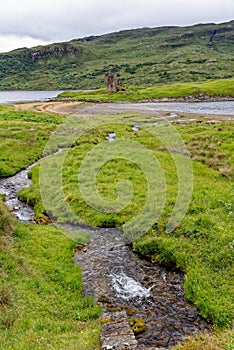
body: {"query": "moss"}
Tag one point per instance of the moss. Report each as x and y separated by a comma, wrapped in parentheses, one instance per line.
(104, 299)
(129, 310)
(110, 308)
(106, 320)
(138, 325)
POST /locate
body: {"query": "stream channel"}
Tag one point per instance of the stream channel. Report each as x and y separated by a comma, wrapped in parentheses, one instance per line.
(121, 280)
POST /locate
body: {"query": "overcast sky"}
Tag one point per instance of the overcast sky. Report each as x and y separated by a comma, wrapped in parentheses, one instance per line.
(29, 23)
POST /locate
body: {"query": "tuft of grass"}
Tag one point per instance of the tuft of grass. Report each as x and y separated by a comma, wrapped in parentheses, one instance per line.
(216, 341)
(5, 295)
(211, 145)
(6, 222)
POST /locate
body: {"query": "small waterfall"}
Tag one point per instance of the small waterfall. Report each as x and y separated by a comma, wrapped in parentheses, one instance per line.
(127, 288)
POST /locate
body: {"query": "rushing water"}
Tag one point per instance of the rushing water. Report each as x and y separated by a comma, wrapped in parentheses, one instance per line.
(10, 97)
(121, 280)
(10, 187)
(126, 287)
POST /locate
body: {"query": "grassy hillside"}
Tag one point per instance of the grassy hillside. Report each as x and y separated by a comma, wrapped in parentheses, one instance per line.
(145, 57)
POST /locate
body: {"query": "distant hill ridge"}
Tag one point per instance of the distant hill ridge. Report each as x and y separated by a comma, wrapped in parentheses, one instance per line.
(144, 56)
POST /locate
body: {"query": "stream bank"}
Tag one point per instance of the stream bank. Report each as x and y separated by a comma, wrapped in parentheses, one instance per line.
(147, 295)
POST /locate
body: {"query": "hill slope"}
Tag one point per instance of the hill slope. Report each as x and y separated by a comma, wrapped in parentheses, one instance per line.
(145, 56)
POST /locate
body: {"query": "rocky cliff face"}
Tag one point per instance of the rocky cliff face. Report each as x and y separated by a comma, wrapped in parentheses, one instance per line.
(56, 51)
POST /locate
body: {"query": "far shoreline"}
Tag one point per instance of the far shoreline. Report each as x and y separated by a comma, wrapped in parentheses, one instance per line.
(187, 99)
(87, 109)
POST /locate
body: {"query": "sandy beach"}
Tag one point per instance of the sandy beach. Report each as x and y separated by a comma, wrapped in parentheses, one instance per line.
(86, 110)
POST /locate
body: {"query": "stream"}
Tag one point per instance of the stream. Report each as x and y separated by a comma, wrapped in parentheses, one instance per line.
(10, 187)
(121, 280)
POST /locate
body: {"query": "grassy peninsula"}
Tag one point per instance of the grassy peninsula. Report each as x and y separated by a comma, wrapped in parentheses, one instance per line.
(203, 90)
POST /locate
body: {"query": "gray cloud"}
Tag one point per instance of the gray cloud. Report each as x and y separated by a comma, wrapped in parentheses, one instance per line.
(66, 19)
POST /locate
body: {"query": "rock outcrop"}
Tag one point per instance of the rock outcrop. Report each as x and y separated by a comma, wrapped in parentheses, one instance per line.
(56, 51)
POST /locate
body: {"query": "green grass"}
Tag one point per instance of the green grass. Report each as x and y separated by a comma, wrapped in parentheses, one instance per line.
(41, 305)
(202, 246)
(23, 136)
(40, 291)
(211, 145)
(224, 87)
